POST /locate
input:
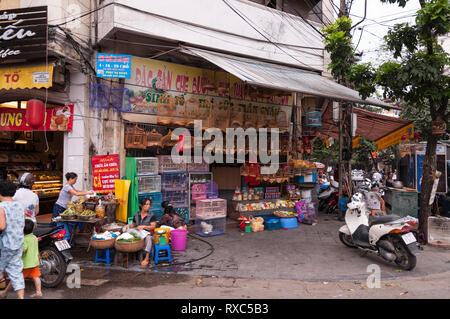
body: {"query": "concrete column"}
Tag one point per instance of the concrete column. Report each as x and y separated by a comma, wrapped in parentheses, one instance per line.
(75, 142)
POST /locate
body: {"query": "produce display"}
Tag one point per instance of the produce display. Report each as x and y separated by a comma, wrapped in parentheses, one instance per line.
(69, 212)
(129, 237)
(106, 235)
(281, 213)
(87, 213)
(241, 207)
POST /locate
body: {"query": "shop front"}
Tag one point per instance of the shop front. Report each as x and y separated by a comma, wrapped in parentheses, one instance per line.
(35, 151)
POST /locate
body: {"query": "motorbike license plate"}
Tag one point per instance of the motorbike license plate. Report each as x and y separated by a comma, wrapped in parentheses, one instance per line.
(408, 238)
(62, 245)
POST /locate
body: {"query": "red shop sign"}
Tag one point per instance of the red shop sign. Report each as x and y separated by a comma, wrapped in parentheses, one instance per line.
(105, 170)
(56, 119)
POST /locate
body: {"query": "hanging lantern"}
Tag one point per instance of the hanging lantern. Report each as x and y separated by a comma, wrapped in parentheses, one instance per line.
(35, 114)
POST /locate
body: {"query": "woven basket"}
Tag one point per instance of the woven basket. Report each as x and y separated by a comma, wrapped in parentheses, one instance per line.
(102, 243)
(129, 247)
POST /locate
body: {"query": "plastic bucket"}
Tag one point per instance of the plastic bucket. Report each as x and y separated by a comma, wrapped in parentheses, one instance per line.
(179, 237)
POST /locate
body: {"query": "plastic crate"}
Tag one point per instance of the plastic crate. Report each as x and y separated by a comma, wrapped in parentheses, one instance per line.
(198, 191)
(158, 213)
(147, 166)
(170, 181)
(156, 199)
(212, 190)
(166, 164)
(183, 212)
(177, 198)
(310, 178)
(210, 226)
(149, 184)
(271, 222)
(210, 208)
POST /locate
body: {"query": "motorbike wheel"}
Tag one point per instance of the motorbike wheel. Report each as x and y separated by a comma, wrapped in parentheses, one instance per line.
(347, 240)
(52, 266)
(405, 260)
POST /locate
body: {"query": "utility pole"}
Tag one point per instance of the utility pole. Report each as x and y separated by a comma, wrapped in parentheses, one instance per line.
(343, 9)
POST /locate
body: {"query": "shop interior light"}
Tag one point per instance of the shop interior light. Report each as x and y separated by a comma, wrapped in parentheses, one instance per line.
(20, 141)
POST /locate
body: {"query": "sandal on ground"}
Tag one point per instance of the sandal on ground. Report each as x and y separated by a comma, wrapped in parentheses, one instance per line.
(144, 263)
(35, 295)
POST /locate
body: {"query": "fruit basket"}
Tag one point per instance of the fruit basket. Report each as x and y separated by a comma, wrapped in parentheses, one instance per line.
(129, 247)
(102, 243)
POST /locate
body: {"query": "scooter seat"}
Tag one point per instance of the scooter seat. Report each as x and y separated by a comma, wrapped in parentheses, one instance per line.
(376, 220)
(43, 229)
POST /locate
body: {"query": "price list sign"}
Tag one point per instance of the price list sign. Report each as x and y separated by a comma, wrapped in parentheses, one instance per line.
(113, 66)
(105, 170)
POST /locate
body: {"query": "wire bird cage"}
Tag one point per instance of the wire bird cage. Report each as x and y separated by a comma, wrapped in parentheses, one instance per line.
(439, 231)
(212, 190)
(99, 96)
(120, 100)
(198, 191)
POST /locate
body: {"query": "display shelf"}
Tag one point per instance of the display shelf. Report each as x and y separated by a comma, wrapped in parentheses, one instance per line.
(234, 211)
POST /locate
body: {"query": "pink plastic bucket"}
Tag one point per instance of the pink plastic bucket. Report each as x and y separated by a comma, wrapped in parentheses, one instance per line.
(178, 237)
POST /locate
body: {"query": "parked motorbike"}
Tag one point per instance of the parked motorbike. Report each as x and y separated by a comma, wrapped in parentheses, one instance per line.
(387, 236)
(327, 195)
(54, 254)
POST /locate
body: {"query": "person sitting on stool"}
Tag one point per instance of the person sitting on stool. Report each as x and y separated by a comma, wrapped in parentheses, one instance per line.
(144, 220)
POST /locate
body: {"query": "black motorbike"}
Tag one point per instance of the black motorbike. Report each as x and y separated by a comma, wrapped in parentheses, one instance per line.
(54, 254)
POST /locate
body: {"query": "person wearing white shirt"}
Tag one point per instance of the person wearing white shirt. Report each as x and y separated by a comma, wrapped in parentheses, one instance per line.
(26, 197)
(377, 176)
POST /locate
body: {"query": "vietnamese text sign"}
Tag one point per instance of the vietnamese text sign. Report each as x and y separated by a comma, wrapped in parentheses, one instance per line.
(26, 77)
(179, 94)
(56, 119)
(113, 65)
(105, 170)
(23, 33)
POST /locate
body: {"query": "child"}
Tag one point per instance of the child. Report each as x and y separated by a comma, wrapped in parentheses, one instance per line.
(11, 224)
(30, 259)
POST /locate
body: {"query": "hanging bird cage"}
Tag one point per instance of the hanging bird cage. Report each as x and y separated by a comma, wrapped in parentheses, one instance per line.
(154, 138)
(135, 137)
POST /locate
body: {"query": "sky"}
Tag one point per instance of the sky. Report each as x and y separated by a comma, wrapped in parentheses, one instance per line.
(373, 33)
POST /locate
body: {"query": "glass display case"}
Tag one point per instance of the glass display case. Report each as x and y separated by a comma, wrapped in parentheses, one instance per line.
(46, 184)
(194, 179)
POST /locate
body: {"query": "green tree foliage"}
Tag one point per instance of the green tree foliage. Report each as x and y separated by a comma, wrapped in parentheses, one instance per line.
(361, 154)
(338, 43)
(323, 154)
(416, 76)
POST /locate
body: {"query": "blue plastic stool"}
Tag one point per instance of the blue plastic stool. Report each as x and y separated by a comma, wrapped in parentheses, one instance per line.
(159, 248)
(103, 255)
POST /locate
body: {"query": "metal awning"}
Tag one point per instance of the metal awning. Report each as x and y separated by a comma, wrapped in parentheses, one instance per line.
(282, 77)
(384, 130)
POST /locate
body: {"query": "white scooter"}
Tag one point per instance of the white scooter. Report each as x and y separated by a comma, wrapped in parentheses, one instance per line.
(388, 236)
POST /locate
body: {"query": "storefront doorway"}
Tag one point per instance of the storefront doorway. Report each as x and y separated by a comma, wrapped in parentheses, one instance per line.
(38, 152)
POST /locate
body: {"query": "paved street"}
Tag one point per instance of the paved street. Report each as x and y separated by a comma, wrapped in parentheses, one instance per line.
(104, 284)
(306, 262)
